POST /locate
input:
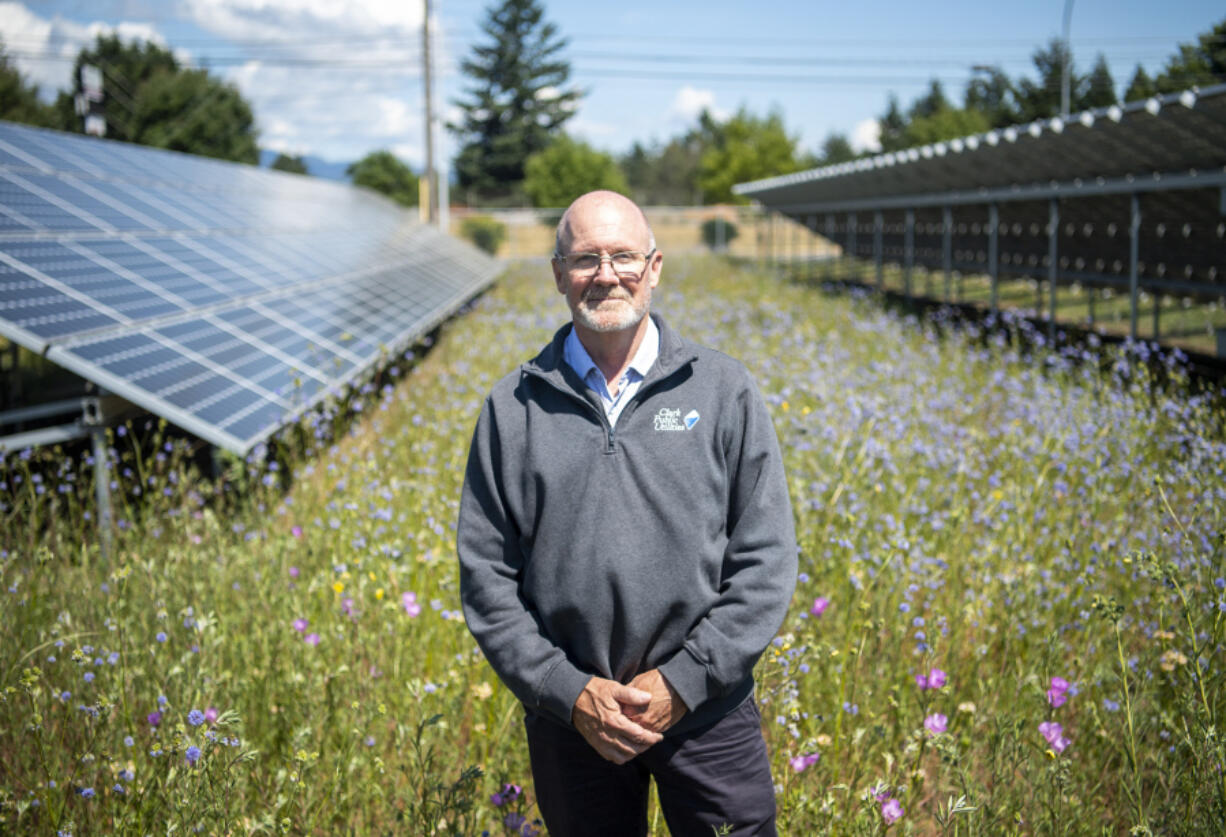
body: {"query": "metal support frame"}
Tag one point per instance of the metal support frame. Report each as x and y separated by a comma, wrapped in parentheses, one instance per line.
(908, 251)
(1141, 182)
(94, 413)
(1053, 266)
(1134, 235)
(994, 254)
(947, 249)
(851, 244)
(879, 248)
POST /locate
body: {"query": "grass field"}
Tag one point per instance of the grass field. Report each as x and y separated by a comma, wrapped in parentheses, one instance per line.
(1010, 618)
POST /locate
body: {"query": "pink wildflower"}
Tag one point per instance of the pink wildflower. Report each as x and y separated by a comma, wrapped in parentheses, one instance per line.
(411, 607)
(891, 811)
(936, 723)
(819, 605)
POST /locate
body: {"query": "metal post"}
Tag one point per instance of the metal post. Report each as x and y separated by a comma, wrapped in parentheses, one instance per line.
(429, 206)
(1157, 295)
(770, 238)
(879, 248)
(811, 231)
(102, 489)
(851, 244)
(908, 248)
(830, 238)
(1053, 251)
(947, 249)
(994, 253)
(1134, 234)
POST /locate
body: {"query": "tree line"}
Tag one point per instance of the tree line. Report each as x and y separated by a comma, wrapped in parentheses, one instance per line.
(514, 149)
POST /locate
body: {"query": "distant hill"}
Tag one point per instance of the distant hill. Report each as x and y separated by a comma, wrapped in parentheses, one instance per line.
(316, 166)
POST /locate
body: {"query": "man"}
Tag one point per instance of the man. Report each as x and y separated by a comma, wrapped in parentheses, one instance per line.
(627, 551)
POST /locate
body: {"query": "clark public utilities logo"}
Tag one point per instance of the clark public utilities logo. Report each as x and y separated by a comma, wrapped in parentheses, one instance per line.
(667, 419)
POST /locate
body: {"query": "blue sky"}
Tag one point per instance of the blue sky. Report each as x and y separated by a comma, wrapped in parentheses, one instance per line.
(339, 78)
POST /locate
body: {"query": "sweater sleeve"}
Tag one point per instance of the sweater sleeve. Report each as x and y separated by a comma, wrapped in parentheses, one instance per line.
(505, 626)
(759, 565)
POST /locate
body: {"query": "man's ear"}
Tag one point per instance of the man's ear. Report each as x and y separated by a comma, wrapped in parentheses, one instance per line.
(654, 268)
(559, 277)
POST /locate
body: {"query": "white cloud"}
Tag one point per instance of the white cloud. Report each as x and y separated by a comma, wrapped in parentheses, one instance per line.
(690, 102)
(44, 49)
(288, 20)
(866, 136)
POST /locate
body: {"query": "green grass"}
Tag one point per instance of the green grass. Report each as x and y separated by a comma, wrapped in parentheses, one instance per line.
(1041, 519)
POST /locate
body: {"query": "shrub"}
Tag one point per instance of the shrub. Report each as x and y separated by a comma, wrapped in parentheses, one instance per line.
(711, 233)
(486, 232)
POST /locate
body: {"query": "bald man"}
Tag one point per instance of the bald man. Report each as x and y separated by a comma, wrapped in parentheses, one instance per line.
(627, 551)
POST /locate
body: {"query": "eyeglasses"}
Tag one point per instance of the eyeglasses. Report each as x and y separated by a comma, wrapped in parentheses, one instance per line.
(626, 264)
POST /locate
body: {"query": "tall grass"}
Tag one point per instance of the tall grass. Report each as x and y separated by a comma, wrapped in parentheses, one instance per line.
(1009, 620)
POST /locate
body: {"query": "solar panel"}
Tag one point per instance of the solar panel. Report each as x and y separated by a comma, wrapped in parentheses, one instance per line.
(225, 298)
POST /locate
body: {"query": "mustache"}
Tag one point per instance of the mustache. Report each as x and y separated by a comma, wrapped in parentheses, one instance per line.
(601, 297)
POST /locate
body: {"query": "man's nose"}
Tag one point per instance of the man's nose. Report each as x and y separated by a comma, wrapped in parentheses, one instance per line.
(606, 273)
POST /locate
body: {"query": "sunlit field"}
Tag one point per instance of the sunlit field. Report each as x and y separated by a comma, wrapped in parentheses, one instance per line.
(1010, 617)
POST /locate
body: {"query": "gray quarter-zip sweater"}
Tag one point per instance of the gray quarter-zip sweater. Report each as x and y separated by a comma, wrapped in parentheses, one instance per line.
(666, 543)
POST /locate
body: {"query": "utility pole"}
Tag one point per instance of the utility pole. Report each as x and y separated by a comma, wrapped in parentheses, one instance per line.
(429, 200)
(1065, 61)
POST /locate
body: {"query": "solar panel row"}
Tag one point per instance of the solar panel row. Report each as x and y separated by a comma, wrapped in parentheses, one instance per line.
(225, 298)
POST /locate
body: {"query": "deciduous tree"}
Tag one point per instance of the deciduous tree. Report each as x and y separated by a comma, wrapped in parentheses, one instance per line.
(746, 148)
(566, 169)
(19, 99)
(383, 172)
(193, 112)
(291, 163)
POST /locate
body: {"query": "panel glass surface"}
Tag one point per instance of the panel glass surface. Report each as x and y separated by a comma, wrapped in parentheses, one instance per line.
(224, 297)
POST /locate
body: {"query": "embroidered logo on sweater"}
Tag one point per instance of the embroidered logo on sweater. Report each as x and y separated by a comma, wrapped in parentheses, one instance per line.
(667, 419)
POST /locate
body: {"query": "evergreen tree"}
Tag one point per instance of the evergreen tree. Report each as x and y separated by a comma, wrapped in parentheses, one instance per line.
(1200, 64)
(930, 103)
(1141, 86)
(991, 93)
(1099, 87)
(893, 126)
(1040, 99)
(516, 99)
(836, 149)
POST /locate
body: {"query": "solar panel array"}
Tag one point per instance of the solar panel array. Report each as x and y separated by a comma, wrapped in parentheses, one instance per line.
(225, 298)
(1168, 151)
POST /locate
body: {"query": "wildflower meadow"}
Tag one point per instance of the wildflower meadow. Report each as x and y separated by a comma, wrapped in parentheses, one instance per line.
(1010, 615)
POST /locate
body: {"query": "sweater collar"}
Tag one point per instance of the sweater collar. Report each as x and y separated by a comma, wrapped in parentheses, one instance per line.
(551, 363)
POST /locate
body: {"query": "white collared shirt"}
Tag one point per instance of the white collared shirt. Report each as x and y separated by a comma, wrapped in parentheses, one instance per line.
(579, 360)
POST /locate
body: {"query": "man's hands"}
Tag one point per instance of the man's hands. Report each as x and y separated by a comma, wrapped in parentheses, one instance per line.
(600, 720)
(622, 721)
(666, 706)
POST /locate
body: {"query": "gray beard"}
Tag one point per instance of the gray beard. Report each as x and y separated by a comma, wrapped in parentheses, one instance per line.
(603, 322)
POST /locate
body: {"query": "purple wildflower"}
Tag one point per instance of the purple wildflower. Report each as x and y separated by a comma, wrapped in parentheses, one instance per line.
(819, 605)
(891, 811)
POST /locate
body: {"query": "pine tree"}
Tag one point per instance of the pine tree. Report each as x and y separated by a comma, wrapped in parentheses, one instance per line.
(893, 127)
(1099, 87)
(1141, 86)
(1200, 64)
(516, 101)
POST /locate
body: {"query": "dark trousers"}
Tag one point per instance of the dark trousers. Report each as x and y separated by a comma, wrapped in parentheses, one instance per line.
(707, 778)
